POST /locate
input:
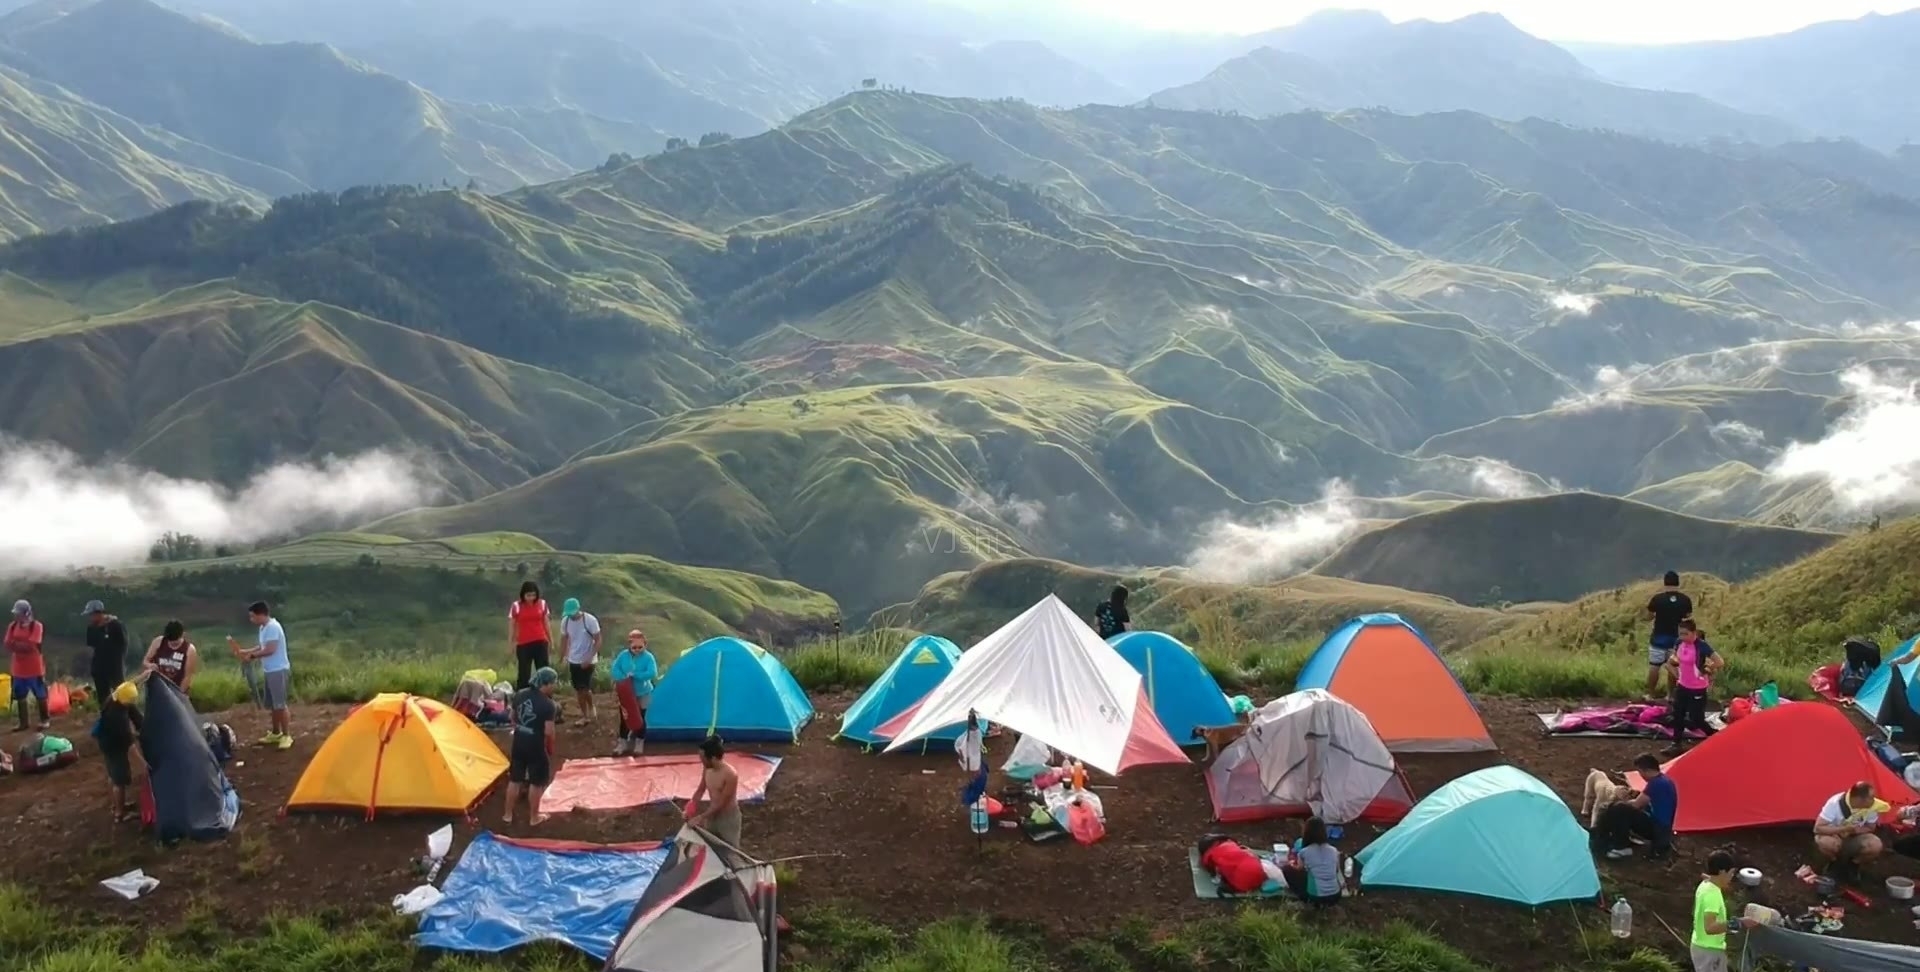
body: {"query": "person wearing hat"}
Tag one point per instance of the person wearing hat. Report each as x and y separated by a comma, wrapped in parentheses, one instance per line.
(580, 643)
(634, 672)
(107, 644)
(530, 758)
(119, 736)
(27, 665)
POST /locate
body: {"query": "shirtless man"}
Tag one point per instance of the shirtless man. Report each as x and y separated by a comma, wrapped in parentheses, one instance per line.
(718, 781)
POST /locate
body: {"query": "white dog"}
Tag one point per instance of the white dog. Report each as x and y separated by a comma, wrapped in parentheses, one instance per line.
(1601, 792)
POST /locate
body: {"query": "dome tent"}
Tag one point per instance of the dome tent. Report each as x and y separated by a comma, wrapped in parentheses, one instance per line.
(1184, 694)
(731, 688)
(919, 668)
(1384, 666)
(402, 754)
(1308, 753)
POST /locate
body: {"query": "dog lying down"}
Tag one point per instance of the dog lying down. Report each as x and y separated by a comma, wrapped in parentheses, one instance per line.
(1600, 793)
(1219, 737)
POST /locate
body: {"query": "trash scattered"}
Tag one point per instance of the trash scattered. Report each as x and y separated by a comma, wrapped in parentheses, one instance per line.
(132, 884)
(418, 900)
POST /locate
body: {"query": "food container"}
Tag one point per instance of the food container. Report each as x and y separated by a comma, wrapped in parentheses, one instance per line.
(1750, 876)
(1901, 888)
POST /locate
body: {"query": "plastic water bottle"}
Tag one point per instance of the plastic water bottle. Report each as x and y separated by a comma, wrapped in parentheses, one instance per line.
(978, 815)
(1622, 924)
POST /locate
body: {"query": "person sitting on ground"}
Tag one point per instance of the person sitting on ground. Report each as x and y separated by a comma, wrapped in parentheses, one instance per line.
(1708, 947)
(119, 736)
(173, 657)
(1240, 870)
(1110, 617)
(530, 759)
(1315, 874)
(580, 644)
(1667, 608)
(634, 672)
(1693, 663)
(27, 664)
(1648, 815)
(1844, 830)
(721, 785)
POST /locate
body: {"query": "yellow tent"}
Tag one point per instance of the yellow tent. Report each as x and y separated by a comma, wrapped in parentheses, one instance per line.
(401, 753)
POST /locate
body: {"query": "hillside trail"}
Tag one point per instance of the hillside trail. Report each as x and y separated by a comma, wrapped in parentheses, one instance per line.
(902, 852)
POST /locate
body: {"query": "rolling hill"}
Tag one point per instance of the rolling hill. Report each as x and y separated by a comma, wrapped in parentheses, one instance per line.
(1341, 59)
(1557, 548)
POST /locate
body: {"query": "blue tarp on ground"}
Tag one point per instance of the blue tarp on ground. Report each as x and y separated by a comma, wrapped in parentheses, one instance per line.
(507, 892)
(731, 688)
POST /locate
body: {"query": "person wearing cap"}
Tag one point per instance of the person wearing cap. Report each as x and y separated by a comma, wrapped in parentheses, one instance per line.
(26, 663)
(530, 758)
(107, 647)
(634, 672)
(580, 643)
(119, 736)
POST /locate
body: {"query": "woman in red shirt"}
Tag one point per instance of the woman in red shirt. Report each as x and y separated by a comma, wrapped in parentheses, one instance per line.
(530, 629)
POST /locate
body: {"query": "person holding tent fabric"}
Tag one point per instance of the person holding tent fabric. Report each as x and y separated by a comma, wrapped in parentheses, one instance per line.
(580, 643)
(173, 657)
(634, 672)
(26, 663)
(119, 737)
(721, 785)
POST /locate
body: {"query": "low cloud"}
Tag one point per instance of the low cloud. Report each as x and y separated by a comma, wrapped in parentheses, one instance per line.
(1741, 434)
(65, 512)
(1579, 305)
(1280, 544)
(1501, 480)
(1270, 286)
(1023, 513)
(1611, 385)
(1895, 329)
(1870, 458)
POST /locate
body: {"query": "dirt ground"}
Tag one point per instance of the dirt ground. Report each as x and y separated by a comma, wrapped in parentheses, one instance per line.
(898, 843)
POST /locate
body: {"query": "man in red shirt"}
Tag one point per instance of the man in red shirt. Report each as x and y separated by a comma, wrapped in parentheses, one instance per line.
(27, 665)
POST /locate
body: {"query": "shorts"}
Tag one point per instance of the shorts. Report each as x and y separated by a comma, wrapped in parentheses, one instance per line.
(1707, 959)
(530, 769)
(581, 676)
(1658, 648)
(119, 767)
(273, 686)
(35, 686)
(1853, 846)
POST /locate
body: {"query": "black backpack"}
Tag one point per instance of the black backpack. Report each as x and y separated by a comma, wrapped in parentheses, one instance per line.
(1863, 656)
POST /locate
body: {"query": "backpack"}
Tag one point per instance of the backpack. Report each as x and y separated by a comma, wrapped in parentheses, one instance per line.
(1103, 620)
(1863, 656)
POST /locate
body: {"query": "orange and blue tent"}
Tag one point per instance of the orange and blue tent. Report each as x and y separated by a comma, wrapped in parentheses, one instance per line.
(1382, 665)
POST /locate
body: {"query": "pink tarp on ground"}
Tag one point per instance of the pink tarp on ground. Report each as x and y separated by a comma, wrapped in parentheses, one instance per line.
(624, 782)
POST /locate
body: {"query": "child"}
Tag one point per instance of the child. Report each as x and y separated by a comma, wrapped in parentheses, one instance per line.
(634, 672)
(1693, 663)
(119, 736)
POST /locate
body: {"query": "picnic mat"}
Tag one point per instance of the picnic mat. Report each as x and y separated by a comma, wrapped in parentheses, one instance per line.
(624, 782)
(1550, 719)
(508, 892)
(1205, 889)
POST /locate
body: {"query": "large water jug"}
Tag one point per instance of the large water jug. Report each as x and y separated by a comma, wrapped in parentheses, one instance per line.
(1622, 924)
(977, 815)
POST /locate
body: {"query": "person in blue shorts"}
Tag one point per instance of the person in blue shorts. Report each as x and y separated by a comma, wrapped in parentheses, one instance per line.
(1667, 608)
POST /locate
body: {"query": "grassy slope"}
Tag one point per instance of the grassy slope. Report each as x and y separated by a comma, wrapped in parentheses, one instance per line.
(1556, 548)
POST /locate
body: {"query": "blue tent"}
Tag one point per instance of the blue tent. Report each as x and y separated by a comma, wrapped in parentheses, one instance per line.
(580, 894)
(1495, 833)
(1890, 698)
(730, 688)
(921, 666)
(1183, 692)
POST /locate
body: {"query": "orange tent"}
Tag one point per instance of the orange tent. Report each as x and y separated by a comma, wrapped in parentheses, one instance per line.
(1383, 666)
(401, 753)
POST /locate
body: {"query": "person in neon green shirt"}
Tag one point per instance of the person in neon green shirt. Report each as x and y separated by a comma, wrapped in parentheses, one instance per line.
(1709, 946)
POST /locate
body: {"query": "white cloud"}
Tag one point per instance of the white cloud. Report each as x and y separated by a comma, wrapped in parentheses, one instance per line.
(1894, 329)
(1611, 386)
(1740, 433)
(1281, 452)
(66, 512)
(1270, 286)
(1023, 513)
(1500, 480)
(1871, 456)
(1579, 305)
(1215, 316)
(1280, 544)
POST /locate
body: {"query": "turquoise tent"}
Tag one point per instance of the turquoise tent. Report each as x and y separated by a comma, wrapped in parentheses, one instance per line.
(921, 666)
(1183, 692)
(1891, 697)
(729, 688)
(1495, 833)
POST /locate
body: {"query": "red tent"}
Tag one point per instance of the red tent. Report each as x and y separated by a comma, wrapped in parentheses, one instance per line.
(1779, 766)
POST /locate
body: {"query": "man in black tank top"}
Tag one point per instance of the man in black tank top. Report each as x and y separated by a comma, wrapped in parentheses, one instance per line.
(173, 657)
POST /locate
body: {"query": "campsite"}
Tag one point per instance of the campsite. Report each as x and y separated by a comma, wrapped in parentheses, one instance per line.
(883, 836)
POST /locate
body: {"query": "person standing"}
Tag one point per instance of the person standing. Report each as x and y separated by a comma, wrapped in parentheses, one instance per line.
(721, 785)
(1667, 608)
(173, 657)
(276, 671)
(1708, 948)
(530, 630)
(530, 756)
(580, 642)
(1693, 662)
(1111, 617)
(107, 645)
(634, 672)
(119, 736)
(27, 664)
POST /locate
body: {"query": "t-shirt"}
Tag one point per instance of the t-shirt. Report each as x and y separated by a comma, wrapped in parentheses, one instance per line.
(1111, 618)
(1663, 800)
(579, 631)
(1691, 658)
(532, 710)
(272, 633)
(1708, 900)
(118, 723)
(1240, 871)
(1669, 609)
(109, 644)
(642, 669)
(1322, 863)
(23, 649)
(529, 622)
(1837, 812)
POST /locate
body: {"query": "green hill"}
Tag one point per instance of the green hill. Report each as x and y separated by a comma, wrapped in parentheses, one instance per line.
(1556, 548)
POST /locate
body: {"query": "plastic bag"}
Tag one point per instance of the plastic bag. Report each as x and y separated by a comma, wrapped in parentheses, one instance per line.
(418, 900)
(131, 885)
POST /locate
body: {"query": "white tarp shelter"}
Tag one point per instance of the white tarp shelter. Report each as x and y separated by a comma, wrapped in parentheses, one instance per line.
(1048, 676)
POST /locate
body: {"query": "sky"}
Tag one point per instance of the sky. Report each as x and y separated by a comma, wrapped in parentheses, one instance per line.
(1609, 21)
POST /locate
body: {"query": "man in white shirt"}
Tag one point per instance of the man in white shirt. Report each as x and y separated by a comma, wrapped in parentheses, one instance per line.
(580, 640)
(1844, 831)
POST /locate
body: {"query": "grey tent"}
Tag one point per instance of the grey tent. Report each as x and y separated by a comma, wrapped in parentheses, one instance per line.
(191, 796)
(711, 908)
(1827, 953)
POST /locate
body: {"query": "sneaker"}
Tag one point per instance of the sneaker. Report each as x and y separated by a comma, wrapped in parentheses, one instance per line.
(270, 739)
(284, 742)
(1620, 853)
(620, 747)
